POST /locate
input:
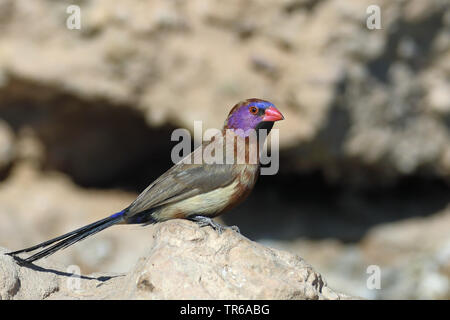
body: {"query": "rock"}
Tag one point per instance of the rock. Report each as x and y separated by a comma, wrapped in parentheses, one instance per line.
(412, 256)
(183, 262)
(23, 283)
(340, 85)
(364, 108)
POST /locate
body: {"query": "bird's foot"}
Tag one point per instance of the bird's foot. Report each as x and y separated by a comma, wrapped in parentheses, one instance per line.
(203, 221)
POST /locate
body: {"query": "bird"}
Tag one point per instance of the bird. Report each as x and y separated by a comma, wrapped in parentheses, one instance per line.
(190, 189)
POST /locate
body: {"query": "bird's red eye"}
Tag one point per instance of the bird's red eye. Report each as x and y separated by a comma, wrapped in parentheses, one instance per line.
(253, 110)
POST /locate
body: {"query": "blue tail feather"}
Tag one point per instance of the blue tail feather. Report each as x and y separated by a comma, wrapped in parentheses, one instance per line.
(118, 214)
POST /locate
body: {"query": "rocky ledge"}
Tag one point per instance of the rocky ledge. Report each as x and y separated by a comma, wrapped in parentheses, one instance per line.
(183, 262)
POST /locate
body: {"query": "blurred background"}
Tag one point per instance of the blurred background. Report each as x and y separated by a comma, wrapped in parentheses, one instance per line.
(86, 117)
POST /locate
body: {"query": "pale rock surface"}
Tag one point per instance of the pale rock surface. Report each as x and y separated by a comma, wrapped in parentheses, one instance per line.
(374, 98)
(183, 262)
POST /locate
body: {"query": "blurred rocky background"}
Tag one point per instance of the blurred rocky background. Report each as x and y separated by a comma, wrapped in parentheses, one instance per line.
(86, 118)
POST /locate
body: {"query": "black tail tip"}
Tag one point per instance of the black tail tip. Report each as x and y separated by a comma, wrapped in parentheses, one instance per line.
(18, 260)
(12, 253)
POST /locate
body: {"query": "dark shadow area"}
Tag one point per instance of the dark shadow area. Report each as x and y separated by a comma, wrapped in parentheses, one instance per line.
(104, 146)
(97, 144)
(4, 172)
(286, 207)
(34, 267)
(294, 6)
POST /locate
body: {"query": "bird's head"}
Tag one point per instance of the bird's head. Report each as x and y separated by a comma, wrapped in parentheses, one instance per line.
(252, 114)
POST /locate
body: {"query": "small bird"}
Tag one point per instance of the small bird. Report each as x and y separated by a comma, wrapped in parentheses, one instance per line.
(192, 190)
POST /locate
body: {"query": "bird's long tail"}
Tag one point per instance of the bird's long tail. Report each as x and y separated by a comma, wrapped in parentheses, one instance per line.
(70, 238)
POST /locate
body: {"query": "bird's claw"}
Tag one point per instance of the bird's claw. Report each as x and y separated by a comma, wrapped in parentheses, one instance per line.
(220, 228)
(205, 221)
(235, 229)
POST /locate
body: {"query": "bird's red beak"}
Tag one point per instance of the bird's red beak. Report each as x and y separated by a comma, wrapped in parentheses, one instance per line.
(272, 114)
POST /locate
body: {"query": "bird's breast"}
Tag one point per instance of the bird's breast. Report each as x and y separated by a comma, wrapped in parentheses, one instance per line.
(248, 175)
(216, 201)
(246, 179)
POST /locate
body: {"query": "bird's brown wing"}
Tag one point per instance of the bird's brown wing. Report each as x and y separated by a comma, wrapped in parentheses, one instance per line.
(183, 181)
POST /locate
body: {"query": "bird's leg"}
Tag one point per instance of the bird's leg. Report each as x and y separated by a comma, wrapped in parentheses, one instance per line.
(203, 221)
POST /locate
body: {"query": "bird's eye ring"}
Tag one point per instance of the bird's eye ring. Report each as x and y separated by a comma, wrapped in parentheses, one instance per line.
(253, 110)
